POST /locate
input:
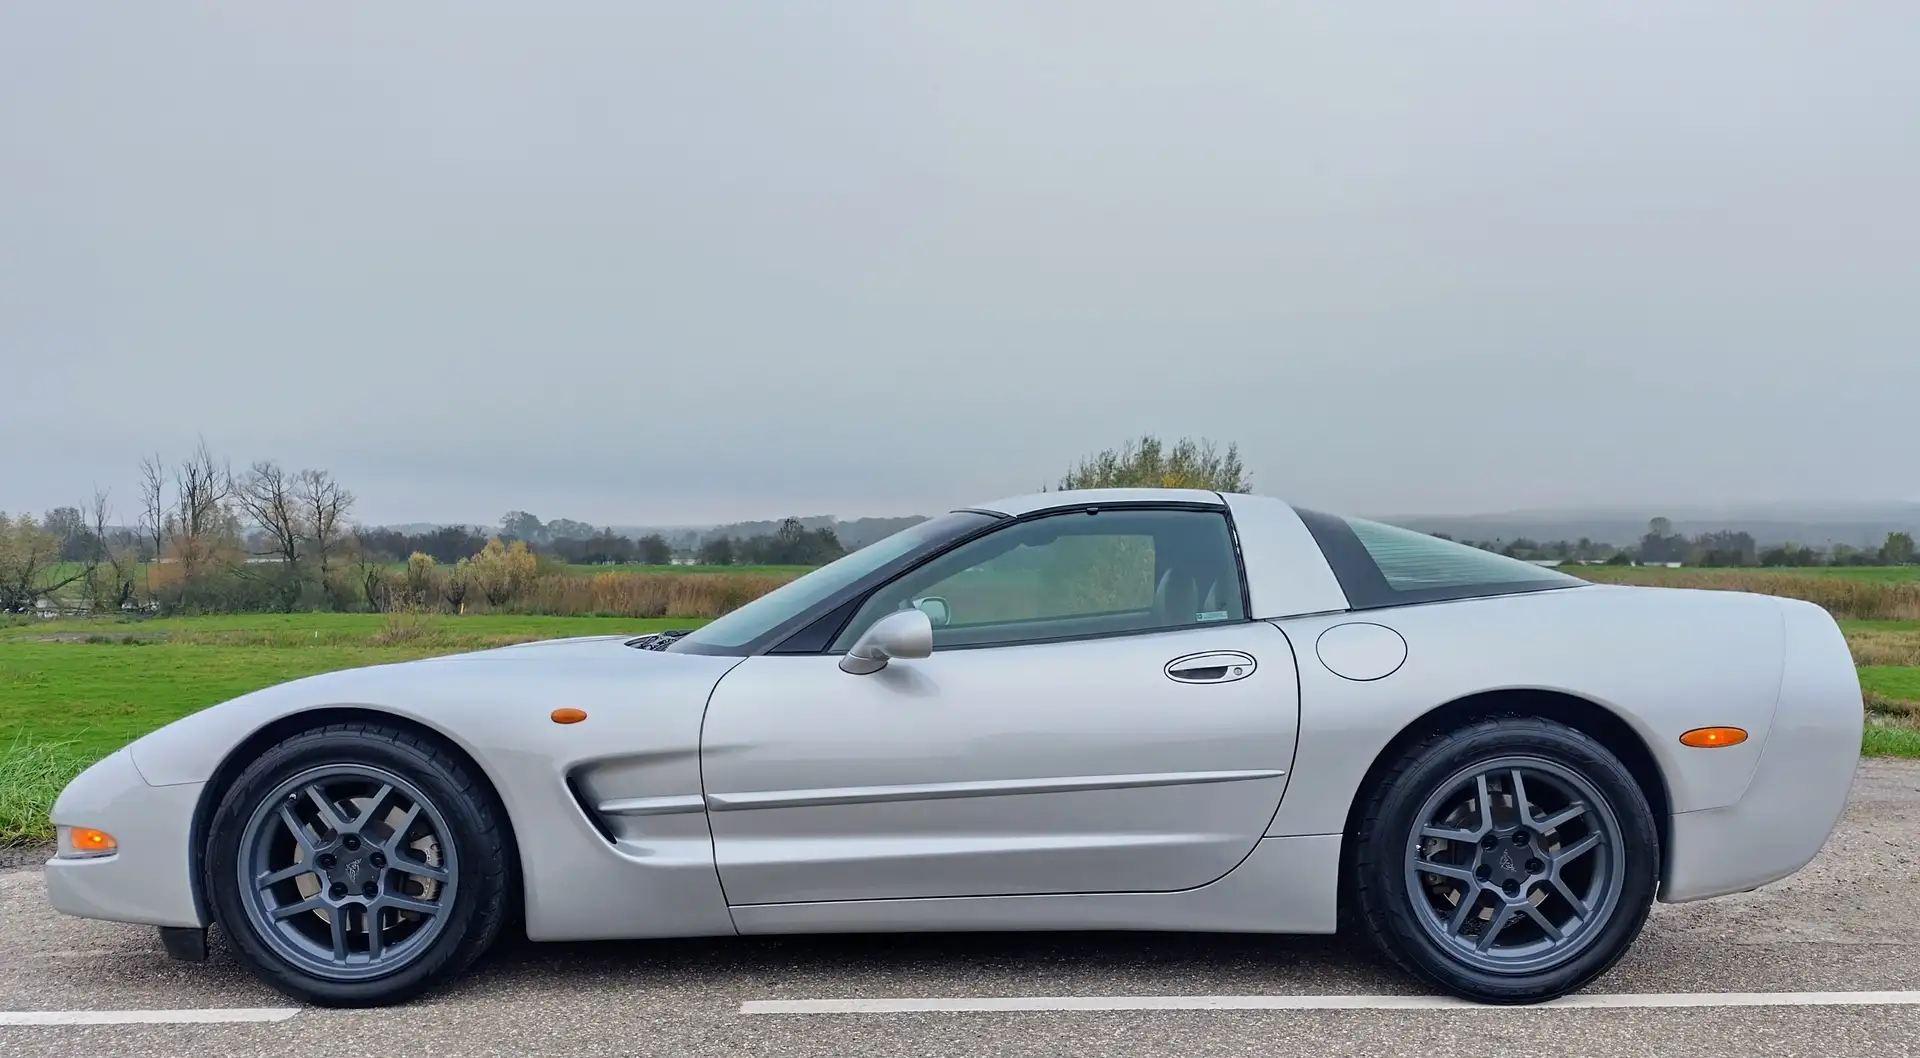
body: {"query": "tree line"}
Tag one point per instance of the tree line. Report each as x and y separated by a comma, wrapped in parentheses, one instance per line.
(205, 537)
(1720, 549)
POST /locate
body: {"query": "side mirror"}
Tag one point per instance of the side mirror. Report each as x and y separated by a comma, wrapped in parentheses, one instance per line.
(901, 634)
(935, 608)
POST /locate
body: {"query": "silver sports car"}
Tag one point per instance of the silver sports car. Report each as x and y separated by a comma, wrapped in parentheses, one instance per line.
(1114, 709)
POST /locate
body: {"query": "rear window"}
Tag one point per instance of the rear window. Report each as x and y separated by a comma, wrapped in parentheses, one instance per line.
(1385, 565)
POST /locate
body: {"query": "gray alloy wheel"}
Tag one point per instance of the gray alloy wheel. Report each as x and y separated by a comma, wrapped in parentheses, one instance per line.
(346, 870)
(1510, 859)
(1513, 864)
(358, 864)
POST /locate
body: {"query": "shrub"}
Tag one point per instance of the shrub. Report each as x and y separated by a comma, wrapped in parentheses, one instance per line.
(406, 624)
(421, 585)
(1148, 463)
(500, 573)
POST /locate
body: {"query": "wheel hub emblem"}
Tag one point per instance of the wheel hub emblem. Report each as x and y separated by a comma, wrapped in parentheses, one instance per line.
(1506, 862)
(353, 870)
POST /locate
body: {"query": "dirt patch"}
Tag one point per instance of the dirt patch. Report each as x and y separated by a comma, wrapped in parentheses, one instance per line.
(23, 857)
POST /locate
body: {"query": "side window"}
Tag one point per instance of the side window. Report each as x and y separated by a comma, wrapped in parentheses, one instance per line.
(1070, 575)
(1384, 565)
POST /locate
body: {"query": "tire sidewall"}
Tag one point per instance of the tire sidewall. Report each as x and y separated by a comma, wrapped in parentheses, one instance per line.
(1392, 908)
(446, 790)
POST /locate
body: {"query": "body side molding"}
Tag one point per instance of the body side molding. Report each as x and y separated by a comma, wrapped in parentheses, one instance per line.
(856, 795)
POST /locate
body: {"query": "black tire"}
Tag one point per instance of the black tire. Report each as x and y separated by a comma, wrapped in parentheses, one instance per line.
(1409, 929)
(480, 876)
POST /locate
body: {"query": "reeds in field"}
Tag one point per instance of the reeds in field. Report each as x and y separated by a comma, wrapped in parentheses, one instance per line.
(1846, 598)
(701, 595)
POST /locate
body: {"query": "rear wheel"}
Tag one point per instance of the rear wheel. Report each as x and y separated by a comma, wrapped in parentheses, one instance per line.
(356, 864)
(1510, 861)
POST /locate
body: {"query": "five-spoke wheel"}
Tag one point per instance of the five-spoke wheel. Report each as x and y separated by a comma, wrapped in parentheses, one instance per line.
(1511, 860)
(346, 869)
(1515, 861)
(354, 864)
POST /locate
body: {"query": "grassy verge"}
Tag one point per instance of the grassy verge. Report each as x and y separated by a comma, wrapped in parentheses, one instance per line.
(1890, 741)
(330, 629)
(31, 775)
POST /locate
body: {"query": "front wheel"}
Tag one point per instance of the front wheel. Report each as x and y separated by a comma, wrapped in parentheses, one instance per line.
(1510, 861)
(355, 865)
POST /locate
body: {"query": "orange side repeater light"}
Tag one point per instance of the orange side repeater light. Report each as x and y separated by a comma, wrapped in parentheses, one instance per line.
(1713, 737)
(87, 839)
(569, 716)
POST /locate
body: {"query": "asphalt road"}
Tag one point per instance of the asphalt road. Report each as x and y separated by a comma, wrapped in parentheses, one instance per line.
(1848, 923)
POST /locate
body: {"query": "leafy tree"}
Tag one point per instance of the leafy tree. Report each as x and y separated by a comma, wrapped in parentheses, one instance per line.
(1898, 550)
(600, 548)
(717, 551)
(654, 550)
(519, 525)
(1662, 544)
(1789, 555)
(1149, 463)
(1725, 547)
(793, 544)
(28, 557)
(70, 527)
(568, 529)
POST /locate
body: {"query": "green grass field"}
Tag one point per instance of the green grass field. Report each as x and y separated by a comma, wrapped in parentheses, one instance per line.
(74, 691)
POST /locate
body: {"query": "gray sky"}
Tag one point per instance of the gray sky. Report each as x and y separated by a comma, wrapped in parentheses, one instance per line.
(672, 263)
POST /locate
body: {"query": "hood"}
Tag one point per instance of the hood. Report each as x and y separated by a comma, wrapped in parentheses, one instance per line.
(552, 649)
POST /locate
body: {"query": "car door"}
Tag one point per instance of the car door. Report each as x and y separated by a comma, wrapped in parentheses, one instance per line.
(1097, 715)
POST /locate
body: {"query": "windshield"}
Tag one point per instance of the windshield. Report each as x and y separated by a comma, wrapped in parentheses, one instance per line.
(746, 626)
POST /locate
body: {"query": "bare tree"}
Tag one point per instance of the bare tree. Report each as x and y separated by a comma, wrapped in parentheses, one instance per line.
(324, 504)
(373, 575)
(267, 496)
(153, 502)
(112, 576)
(202, 491)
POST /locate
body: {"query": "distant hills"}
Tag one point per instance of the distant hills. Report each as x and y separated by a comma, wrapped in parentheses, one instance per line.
(1858, 525)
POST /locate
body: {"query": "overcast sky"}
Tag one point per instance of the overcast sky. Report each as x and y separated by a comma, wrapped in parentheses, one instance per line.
(671, 263)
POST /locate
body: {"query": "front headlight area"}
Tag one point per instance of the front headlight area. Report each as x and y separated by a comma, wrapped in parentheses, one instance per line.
(84, 843)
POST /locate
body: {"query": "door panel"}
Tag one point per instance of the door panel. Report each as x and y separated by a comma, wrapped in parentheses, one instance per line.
(1044, 768)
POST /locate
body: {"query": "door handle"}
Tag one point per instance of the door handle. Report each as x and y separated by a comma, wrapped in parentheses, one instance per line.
(1215, 666)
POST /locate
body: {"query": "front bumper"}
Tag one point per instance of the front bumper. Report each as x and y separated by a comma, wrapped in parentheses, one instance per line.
(149, 879)
(1800, 785)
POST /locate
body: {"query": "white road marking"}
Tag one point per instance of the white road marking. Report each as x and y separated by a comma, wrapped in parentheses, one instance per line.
(1596, 1001)
(210, 1016)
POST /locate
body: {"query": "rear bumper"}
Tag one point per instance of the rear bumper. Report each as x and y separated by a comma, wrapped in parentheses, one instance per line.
(1800, 785)
(150, 879)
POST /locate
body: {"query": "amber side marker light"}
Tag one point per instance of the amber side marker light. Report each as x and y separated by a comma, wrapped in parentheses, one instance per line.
(569, 716)
(1711, 737)
(86, 841)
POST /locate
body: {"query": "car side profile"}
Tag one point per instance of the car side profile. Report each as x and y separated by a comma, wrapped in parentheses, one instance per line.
(1107, 709)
